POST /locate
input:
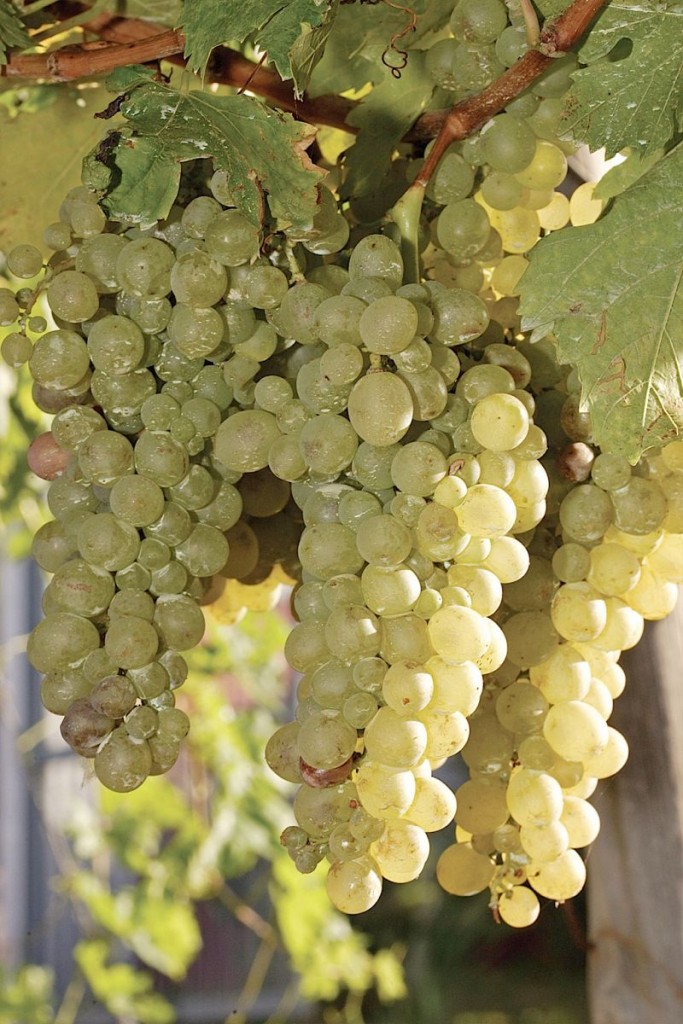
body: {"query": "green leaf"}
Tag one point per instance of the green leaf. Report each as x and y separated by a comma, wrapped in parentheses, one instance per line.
(163, 12)
(308, 49)
(625, 174)
(632, 95)
(611, 293)
(12, 31)
(261, 150)
(361, 34)
(26, 997)
(31, 186)
(274, 25)
(123, 990)
(382, 118)
(161, 929)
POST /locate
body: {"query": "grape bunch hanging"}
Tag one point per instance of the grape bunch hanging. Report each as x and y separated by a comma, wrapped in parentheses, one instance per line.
(234, 408)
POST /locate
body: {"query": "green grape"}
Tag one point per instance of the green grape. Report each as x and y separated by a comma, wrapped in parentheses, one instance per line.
(359, 709)
(390, 591)
(354, 885)
(507, 143)
(388, 325)
(161, 458)
(108, 542)
(141, 723)
(479, 20)
(143, 268)
(131, 642)
(265, 287)
(377, 256)
(439, 63)
(327, 444)
(198, 214)
(511, 44)
(463, 228)
(59, 359)
(82, 589)
(172, 526)
(52, 546)
(105, 457)
(59, 690)
(60, 640)
(639, 507)
(132, 602)
(325, 740)
(481, 805)
(122, 397)
(395, 741)
(342, 364)
(16, 349)
(581, 821)
(115, 345)
(137, 500)
(151, 680)
(67, 496)
(198, 280)
(134, 577)
(230, 238)
(172, 723)
(72, 296)
(547, 169)
(453, 179)
(196, 332)
(382, 541)
(123, 763)
(380, 408)
(462, 871)
(179, 621)
(204, 552)
(243, 440)
(459, 317)
(352, 632)
(9, 310)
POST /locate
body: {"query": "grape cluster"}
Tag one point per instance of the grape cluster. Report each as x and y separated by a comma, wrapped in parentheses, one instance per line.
(607, 556)
(234, 412)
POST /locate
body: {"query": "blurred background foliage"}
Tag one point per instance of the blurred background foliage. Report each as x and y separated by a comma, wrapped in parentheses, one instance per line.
(182, 887)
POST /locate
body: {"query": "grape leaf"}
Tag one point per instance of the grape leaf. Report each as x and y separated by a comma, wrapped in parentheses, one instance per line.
(12, 31)
(308, 49)
(261, 150)
(611, 292)
(164, 12)
(275, 26)
(383, 117)
(360, 36)
(631, 95)
(625, 174)
(29, 201)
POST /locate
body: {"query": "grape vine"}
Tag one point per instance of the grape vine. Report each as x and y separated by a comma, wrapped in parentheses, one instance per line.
(248, 390)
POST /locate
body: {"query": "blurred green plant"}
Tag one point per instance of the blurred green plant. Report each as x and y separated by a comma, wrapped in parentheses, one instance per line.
(26, 996)
(142, 864)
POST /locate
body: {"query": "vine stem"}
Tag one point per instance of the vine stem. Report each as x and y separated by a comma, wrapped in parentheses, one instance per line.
(466, 117)
(406, 215)
(122, 41)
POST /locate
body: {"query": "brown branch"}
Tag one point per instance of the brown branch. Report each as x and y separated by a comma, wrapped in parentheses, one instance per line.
(125, 41)
(88, 59)
(469, 115)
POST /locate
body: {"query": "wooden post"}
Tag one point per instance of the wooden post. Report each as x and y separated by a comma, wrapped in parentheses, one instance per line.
(635, 869)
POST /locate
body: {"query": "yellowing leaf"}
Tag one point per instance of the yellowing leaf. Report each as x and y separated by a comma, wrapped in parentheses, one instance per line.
(44, 150)
(611, 293)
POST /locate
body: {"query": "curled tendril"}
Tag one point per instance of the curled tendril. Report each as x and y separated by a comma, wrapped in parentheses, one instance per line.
(394, 57)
